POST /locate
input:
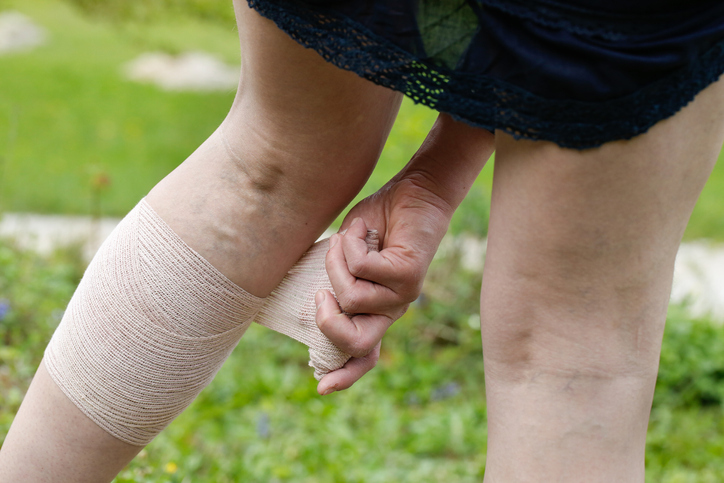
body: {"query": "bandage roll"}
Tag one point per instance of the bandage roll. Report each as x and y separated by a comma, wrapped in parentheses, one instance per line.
(290, 309)
(147, 329)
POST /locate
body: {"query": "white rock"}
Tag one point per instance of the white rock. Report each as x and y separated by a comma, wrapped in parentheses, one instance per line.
(469, 248)
(698, 273)
(191, 71)
(473, 252)
(45, 233)
(19, 33)
(699, 279)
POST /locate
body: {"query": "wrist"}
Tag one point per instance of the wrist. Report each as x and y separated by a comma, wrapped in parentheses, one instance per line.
(449, 160)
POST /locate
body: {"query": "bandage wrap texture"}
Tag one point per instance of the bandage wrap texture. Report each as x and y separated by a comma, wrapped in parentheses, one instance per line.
(152, 322)
(147, 329)
(290, 309)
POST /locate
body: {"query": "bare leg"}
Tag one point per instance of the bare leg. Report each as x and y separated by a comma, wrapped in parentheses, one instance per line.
(577, 281)
(301, 139)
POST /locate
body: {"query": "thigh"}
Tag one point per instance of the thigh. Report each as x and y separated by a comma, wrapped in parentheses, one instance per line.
(582, 243)
(293, 102)
(299, 142)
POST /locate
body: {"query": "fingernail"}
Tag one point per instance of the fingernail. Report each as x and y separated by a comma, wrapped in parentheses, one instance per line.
(333, 240)
(329, 391)
(319, 298)
(354, 222)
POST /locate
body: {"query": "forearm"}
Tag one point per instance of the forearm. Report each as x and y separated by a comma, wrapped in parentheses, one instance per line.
(448, 162)
(412, 213)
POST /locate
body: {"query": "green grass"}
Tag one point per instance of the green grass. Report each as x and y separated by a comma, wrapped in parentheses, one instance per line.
(262, 420)
(420, 416)
(67, 116)
(144, 10)
(707, 220)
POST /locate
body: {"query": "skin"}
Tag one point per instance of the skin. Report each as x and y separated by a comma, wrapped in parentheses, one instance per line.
(252, 203)
(576, 282)
(245, 205)
(576, 285)
(412, 213)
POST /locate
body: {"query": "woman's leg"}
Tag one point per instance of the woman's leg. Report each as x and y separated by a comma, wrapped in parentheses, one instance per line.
(300, 141)
(575, 291)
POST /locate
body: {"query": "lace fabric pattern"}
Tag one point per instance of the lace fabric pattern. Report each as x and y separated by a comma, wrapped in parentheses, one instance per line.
(443, 74)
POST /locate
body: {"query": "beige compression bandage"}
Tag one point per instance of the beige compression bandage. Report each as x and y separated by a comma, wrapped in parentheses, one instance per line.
(147, 329)
(290, 309)
(152, 322)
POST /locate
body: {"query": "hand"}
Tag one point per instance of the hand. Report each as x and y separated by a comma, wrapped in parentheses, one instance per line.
(411, 213)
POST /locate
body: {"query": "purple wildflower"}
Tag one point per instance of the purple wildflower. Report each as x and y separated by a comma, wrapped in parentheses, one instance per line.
(4, 308)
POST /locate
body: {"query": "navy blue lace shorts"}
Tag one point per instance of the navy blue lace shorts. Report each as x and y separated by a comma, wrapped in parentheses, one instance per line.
(575, 72)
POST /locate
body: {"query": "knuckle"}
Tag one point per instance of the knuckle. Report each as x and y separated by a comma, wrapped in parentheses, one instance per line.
(358, 347)
(414, 288)
(349, 301)
(409, 294)
(373, 357)
(399, 313)
(412, 277)
(417, 277)
(356, 267)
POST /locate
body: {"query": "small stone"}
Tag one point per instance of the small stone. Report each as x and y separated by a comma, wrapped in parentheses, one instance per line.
(190, 71)
(18, 33)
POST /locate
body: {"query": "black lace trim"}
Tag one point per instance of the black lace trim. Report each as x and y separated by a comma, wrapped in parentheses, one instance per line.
(484, 101)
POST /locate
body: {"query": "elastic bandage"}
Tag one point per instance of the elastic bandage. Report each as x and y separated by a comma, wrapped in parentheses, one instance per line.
(290, 309)
(147, 329)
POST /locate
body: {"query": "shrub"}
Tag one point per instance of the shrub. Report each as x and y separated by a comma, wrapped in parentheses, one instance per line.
(691, 373)
(33, 294)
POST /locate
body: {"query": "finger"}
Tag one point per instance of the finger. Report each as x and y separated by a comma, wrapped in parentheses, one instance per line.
(358, 244)
(348, 374)
(361, 249)
(357, 295)
(366, 240)
(357, 250)
(397, 268)
(357, 335)
(336, 264)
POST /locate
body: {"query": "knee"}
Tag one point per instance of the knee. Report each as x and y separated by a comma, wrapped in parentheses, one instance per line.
(534, 322)
(265, 178)
(299, 175)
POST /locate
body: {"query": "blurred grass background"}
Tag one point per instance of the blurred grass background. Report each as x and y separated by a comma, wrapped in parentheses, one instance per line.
(67, 116)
